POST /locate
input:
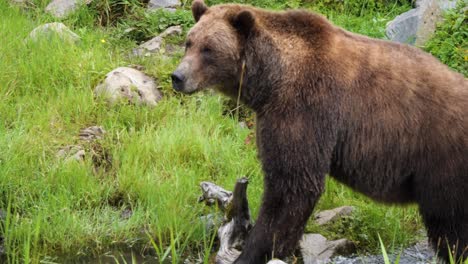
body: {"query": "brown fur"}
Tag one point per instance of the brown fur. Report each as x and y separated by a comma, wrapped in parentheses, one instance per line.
(386, 119)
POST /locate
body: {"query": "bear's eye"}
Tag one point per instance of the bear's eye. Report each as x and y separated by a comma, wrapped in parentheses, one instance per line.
(206, 50)
(188, 44)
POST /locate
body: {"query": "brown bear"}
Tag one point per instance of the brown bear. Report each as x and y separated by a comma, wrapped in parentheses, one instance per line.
(386, 119)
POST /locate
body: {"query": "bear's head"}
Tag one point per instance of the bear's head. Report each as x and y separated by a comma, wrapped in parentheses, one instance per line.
(214, 48)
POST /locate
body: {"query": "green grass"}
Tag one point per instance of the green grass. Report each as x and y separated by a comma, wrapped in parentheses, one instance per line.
(156, 157)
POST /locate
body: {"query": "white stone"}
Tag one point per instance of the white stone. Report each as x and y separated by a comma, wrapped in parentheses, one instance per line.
(167, 4)
(130, 85)
(276, 261)
(62, 8)
(53, 29)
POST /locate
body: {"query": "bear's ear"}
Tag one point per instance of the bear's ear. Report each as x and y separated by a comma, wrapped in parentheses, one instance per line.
(198, 9)
(244, 22)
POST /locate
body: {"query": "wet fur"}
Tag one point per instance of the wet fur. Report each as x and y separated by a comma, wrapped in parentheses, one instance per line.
(386, 119)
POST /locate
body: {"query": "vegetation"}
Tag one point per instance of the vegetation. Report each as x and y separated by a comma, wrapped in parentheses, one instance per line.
(450, 43)
(152, 159)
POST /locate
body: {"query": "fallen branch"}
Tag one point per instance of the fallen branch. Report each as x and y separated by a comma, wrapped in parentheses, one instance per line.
(236, 224)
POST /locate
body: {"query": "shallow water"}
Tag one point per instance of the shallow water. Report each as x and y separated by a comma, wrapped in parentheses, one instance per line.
(417, 254)
(113, 257)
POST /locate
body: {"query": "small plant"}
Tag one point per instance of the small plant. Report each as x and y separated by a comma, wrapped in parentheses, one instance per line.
(109, 12)
(385, 255)
(143, 25)
(360, 7)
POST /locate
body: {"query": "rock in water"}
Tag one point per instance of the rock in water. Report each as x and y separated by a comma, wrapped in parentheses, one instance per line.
(62, 8)
(50, 30)
(130, 85)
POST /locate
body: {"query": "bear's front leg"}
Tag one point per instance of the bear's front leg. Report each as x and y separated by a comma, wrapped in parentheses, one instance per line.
(295, 158)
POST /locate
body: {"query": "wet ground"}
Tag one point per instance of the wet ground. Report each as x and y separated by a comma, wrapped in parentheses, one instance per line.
(417, 254)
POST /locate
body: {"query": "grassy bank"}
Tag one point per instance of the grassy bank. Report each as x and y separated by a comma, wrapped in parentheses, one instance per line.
(152, 159)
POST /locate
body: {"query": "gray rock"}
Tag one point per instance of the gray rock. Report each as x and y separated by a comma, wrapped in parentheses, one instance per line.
(71, 152)
(328, 216)
(92, 133)
(167, 4)
(404, 27)
(155, 45)
(50, 30)
(417, 25)
(430, 14)
(316, 249)
(62, 8)
(130, 85)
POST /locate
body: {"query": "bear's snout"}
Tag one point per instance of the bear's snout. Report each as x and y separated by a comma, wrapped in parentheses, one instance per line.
(178, 81)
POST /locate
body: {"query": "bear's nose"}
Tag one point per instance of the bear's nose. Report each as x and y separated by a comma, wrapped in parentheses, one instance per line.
(177, 81)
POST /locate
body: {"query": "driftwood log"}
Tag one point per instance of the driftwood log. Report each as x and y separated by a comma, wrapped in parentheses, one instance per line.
(236, 223)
